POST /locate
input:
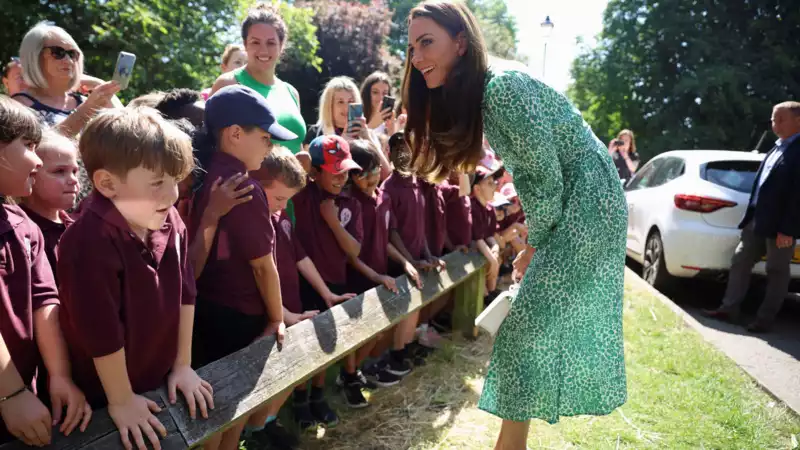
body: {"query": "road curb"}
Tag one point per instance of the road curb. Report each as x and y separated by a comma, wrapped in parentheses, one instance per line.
(635, 279)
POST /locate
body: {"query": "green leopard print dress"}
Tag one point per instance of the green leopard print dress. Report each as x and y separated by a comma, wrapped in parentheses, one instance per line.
(559, 351)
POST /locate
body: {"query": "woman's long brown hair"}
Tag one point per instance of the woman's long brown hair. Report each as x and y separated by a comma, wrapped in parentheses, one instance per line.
(445, 125)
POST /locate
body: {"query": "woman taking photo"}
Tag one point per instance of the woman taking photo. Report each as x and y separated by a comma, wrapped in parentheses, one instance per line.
(374, 88)
(52, 66)
(623, 151)
(264, 34)
(559, 351)
(334, 103)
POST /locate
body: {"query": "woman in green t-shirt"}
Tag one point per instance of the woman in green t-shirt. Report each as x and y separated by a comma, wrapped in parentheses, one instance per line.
(264, 34)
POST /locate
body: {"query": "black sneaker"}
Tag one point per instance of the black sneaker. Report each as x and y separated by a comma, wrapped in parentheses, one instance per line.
(323, 413)
(353, 396)
(398, 363)
(490, 298)
(277, 436)
(303, 417)
(357, 379)
(384, 378)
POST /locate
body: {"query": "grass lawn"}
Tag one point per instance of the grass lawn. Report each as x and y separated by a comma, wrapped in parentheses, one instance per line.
(683, 394)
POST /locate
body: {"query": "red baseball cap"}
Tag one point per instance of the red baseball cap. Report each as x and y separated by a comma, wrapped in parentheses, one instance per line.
(331, 153)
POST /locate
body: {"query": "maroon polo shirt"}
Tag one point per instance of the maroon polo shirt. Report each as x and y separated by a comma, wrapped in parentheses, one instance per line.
(484, 222)
(52, 232)
(288, 252)
(435, 218)
(458, 210)
(118, 291)
(408, 206)
(26, 284)
(377, 220)
(244, 234)
(318, 239)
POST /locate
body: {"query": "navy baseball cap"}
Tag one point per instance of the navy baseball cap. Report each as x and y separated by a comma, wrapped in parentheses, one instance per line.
(241, 105)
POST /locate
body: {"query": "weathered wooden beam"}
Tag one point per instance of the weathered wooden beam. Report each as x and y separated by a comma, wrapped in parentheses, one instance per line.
(250, 377)
(102, 434)
(243, 381)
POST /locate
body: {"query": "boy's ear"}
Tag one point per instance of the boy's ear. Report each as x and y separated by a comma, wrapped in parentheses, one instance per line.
(106, 183)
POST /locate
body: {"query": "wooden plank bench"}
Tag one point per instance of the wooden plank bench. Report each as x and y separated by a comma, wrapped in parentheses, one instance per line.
(249, 378)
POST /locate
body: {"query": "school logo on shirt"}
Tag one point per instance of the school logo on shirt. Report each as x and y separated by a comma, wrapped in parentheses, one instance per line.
(387, 220)
(344, 217)
(286, 226)
(27, 243)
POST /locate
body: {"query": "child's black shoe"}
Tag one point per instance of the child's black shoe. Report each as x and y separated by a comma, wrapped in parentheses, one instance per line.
(354, 397)
(278, 437)
(320, 409)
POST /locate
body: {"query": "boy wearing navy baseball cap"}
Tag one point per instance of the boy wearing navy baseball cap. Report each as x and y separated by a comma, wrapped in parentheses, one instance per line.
(238, 289)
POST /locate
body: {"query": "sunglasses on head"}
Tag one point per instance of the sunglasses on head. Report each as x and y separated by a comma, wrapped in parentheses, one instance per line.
(60, 52)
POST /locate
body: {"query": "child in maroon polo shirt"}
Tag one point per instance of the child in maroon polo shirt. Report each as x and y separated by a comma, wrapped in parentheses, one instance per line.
(282, 176)
(330, 223)
(29, 325)
(409, 206)
(126, 284)
(484, 222)
(238, 291)
(55, 190)
(370, 267)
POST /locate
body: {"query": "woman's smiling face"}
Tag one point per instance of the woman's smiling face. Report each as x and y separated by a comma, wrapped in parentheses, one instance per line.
(432, 50)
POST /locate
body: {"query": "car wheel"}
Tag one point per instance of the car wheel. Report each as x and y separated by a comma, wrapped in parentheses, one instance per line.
(654, 269)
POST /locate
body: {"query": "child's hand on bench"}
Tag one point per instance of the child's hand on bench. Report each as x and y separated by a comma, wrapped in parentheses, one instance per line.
(198, 392)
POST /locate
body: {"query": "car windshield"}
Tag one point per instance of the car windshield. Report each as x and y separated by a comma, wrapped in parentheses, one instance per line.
(736, 175)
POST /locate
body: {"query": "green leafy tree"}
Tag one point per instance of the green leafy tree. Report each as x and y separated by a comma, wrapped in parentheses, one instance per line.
(689, 74)
(351, 43)
(177, 43)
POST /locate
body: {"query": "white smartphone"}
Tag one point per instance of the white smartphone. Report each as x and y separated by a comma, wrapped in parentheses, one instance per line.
(124, 69)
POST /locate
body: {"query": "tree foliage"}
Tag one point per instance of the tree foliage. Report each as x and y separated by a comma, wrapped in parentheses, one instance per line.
(177, 43)
(351, 43)
(700, 74)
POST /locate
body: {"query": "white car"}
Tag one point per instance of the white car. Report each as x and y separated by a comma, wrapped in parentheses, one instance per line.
(684, 209)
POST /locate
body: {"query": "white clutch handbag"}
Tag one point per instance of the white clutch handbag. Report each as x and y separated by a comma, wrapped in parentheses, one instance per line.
(493, 316)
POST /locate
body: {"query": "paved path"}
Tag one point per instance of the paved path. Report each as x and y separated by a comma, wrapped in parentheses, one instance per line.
(772, 359)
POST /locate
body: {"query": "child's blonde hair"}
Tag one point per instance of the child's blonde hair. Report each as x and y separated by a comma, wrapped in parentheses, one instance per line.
(325, 120)
(120, 140)
(52, 140)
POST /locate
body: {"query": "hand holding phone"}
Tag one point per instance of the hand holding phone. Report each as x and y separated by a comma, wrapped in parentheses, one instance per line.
(387, 104)
(354, 111)
(124, 69)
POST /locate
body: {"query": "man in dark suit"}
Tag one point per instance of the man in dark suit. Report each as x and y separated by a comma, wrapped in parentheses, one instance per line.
(771, 224)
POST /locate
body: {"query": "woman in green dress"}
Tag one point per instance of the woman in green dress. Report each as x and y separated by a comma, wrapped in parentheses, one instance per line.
(559, 351)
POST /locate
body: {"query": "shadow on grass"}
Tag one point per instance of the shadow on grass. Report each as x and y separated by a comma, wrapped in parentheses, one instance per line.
(421, 409)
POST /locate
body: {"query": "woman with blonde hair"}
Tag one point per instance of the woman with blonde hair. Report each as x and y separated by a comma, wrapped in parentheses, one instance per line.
(623, 151)
(52, 66)
(334, 103)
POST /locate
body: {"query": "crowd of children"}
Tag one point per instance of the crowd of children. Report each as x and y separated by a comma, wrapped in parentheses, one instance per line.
(167, 266)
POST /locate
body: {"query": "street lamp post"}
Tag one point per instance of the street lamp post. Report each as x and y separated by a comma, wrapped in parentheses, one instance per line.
(547, 29)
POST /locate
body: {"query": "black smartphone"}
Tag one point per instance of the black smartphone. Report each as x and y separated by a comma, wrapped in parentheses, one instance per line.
(388, 102)
(619, 142)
